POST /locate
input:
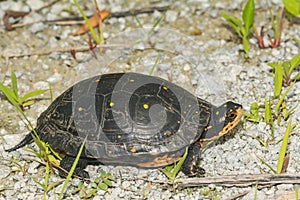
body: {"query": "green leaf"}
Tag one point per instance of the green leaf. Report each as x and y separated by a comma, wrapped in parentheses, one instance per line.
(286, 66)
(253, 116)
(292, 6)
(246, 46)
(283, 147)
(32, 94)
(75, 190)
(15, 84)
(107, 182)
(248, 15)
(278, 80)
(273, 65)
(295, 62)
(94, 185)
(82, 194)
(91, 193)
(10, 95)
(103, 186)
(234, 22)
(28, 103)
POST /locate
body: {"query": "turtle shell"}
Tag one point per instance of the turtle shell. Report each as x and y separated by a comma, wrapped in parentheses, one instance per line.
(127, 118)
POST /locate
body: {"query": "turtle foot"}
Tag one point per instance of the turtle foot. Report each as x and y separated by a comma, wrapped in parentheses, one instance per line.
(67, 162)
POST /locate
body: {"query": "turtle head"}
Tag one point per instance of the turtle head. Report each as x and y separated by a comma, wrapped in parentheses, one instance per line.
(222, 120)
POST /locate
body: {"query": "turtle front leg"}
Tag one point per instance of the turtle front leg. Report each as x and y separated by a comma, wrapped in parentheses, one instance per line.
(67, 162)
(190, 166)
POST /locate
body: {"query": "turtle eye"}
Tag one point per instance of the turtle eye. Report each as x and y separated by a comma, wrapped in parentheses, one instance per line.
(231, 115)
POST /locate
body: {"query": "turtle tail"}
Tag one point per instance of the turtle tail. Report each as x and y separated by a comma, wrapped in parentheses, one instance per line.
(28, 139)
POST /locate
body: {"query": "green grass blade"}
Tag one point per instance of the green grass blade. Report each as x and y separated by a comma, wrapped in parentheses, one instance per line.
(256, 189)
(234, 22)
(167, 173)
(278, 80)
(273, 65)
(296, 77)
(32, 94)
(155, 64)
(10, 95)
(94, 35)
(295, 62)
(265, 163)
(294, 38)
(171, 171)
(158, 21)
(179, 164)
(286, 114)
(283, 147)
(248, 16)
(268, 112)
(40, 184)
(277, 108)
(71, 170)
(14, 84)
(138, 21)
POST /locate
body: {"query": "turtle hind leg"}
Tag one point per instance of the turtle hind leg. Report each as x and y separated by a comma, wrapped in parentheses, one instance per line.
(190, 166)
(67, 162)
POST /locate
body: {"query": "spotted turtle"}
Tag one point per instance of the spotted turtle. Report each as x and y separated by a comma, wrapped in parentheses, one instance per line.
(132, 119)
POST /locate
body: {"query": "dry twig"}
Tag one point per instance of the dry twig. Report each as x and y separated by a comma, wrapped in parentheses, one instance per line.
(241, 180)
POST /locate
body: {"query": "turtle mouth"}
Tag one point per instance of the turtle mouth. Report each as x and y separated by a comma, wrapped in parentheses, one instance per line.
(238, 113)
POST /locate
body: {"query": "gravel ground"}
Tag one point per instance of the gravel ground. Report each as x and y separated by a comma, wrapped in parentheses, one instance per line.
(210, 64)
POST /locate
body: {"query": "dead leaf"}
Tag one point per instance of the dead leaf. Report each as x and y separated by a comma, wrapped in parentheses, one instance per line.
(94, 20)
(285, 163)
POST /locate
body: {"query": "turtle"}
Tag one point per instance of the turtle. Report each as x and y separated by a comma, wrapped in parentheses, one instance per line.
(131, 119)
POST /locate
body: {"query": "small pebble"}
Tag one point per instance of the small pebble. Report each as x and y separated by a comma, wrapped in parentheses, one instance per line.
(55, 78)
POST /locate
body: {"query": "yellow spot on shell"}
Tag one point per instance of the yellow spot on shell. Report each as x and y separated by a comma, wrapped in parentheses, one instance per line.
(119, 136)
(217, 113)
(131, 80)
(133, 150)
(80, 109)
(146, 106)
(98, 80)
(165, 87)
(111, 104)
(178, 122)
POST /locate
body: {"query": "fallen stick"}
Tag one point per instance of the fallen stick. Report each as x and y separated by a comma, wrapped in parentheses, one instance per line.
(245, 180)
(79, 20)
(77, 49)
